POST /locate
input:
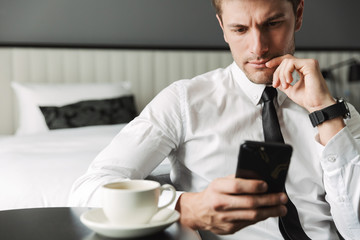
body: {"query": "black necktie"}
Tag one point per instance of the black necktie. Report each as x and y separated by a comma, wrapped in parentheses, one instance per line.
(289, 225)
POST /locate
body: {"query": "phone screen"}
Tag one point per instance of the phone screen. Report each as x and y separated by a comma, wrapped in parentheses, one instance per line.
(267, 161)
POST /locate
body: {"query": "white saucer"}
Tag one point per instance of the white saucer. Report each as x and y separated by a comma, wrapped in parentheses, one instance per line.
(96, 220)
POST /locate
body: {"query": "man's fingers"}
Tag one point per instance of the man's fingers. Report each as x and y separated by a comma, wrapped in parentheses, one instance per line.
(286, 65)
(286, 69)
(289, 68)
(232, 202)
(277, 61)
(278, 77)
(238, 193)
(239, 186)
(253, 215)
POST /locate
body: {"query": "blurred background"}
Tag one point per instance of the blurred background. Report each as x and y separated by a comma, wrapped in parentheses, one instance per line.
(159, 23)
(329, 26)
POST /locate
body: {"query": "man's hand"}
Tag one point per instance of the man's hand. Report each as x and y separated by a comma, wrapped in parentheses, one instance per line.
(230, 204)
(310, 92)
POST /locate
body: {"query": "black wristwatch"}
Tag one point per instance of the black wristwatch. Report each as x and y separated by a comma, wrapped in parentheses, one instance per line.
(340, 108)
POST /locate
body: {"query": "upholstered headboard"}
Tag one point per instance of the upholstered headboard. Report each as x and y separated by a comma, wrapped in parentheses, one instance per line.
(149, 71)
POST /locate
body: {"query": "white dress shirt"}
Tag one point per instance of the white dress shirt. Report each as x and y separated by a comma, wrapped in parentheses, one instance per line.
(199, 124)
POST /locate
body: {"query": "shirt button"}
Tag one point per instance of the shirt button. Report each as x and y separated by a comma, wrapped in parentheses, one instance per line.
(331, 158)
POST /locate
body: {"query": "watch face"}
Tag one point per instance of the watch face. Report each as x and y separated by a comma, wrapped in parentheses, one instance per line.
(347, 114)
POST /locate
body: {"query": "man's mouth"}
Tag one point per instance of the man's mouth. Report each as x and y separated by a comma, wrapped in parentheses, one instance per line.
(258, 63)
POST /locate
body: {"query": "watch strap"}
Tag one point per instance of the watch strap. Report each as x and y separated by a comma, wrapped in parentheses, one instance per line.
(336, 110)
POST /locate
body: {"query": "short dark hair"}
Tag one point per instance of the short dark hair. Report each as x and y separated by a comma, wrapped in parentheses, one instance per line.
(217, 5)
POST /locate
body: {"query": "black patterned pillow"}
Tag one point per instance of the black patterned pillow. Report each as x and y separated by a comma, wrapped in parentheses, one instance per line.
(90, 113)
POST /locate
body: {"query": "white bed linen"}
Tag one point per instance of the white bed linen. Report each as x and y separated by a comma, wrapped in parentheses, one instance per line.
(38, 170)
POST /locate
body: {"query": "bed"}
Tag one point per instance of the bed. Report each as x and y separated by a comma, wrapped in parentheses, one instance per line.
(42, 155)
(39, 169)
(50, 131)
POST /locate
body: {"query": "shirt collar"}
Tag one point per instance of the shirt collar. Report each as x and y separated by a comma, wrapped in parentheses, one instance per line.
(252, 90)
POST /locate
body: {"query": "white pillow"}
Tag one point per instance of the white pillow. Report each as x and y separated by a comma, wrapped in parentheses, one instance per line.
(32, 95)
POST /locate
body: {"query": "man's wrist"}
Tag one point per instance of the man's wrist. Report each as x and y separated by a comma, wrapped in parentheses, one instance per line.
(329, 129)
(325, 104)
(183, 206)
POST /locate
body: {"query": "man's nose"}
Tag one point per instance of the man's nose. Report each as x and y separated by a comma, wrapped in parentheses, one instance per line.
(259, 43)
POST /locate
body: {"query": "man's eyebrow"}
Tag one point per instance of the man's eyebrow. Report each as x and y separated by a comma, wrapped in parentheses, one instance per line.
(276, 16)
(236, 25)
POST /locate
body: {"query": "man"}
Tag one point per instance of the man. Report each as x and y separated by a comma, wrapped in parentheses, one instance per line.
(199, 124)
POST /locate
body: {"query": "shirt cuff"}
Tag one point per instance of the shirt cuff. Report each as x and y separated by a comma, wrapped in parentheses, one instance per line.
(339, 151)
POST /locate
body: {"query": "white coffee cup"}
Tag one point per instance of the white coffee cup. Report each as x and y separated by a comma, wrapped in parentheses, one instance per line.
(134, 201)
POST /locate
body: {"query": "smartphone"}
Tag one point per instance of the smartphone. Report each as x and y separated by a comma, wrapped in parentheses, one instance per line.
(268, 161)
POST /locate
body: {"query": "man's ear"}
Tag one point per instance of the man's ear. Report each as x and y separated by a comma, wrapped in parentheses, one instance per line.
(221, 25)
(299, 16)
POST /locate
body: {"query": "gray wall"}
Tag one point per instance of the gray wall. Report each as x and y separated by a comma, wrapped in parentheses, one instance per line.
(158, 23)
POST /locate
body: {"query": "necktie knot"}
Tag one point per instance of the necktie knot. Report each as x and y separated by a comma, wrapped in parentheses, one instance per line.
(268, 94)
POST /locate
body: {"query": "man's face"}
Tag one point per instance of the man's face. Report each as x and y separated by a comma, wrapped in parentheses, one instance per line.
(257, 31)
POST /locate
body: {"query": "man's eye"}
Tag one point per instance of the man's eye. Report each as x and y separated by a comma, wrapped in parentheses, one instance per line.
(240, 30)
(274, 23)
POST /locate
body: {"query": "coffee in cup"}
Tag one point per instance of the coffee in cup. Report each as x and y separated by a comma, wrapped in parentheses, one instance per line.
(134, 201)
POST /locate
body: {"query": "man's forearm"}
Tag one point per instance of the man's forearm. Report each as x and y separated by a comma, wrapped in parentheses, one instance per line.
(329, 129)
